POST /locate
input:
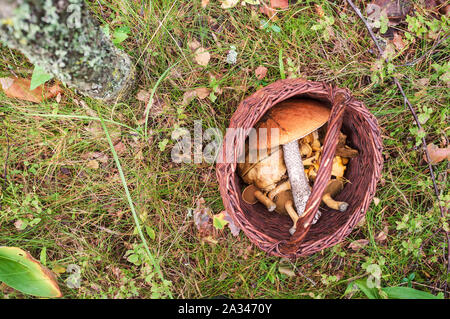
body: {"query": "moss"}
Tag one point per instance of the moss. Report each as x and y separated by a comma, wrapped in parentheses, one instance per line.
(62, 37)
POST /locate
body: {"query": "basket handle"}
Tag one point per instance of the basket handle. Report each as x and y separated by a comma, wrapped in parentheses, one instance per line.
(340, 99)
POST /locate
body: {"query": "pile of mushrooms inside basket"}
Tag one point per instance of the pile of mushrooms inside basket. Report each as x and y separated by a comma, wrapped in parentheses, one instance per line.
(281, 171)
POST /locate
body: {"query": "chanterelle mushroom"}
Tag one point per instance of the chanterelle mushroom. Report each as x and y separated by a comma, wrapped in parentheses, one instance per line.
(295, 118)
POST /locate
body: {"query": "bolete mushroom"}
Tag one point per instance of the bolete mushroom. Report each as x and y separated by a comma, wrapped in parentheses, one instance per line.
(333, 188)
(268, 170)
(251, 195)
(295, 118)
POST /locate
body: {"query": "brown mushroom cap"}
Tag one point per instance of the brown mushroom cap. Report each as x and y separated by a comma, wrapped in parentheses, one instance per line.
(248, 194)
(296, 118)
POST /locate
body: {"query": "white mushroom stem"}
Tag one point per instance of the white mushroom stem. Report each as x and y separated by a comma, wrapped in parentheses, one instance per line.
(299, 181)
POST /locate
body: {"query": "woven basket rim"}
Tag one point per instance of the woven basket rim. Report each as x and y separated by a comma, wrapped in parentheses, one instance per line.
(249, 111)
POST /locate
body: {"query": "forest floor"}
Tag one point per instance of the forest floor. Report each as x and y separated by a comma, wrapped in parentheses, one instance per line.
(62, 196)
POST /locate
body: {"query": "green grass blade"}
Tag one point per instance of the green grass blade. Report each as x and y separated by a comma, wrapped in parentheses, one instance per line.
(133, 211)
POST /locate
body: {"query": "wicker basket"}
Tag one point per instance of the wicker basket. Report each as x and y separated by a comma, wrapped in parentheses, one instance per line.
(269, 231)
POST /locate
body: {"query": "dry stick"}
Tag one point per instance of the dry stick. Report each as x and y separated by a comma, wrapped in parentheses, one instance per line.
(424, 145)
(426, 53)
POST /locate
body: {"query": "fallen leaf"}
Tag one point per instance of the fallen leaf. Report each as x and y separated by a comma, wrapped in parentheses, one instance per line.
(398, 41)
(155, 106)
(319, 10)
(58, 269)
(202, 56)
(382, 236)
(227, 4)
(269, 10)
(203, 220)
(376, 201)
(143, 96)
(286, 271)
(437, 154)
(358, 244)
(194, 45)
(120, 148)
(93, 164)
(219, 221)
(205, 3)
(396, 10)
(235, 230)
(20, 88)
(261, 72)
(188, 97)
(283, 4)
(202, 93)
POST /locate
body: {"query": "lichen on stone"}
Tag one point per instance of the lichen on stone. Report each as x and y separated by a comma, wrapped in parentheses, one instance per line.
(63, 38)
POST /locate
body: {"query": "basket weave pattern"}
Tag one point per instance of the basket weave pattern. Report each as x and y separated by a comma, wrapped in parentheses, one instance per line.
(269, 231)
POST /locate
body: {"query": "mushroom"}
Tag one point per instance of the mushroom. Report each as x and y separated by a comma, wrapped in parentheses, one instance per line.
(295, 119)
(338, 168)
(251, 195)
(266, 172)
(285, 205)
(333, 188)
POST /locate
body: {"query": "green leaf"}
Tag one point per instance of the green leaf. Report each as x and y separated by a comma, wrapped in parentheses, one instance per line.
(19, 270)
(162, 145)
(39, 77)
(371, 293)
(408, 293)
(150, 232)
(276, 28)
(121, 34)
(219, 222)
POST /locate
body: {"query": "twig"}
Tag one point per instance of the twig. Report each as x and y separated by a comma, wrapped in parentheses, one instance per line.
(5, 170)
(424, 144)
(413, 62)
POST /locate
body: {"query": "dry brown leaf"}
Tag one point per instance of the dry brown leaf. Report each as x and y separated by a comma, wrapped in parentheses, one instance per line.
(205, 3)
(120, 148)
(226, 4)
(382, 236)
(376, 201)
(282, 4)
(202, 56)
(93, 164)
(143, 96)
(396, 10)
(269, 10)
(286, 271)
(358, 244)
(398, 41)
(437, 154)
(188, 97)
(204, 222)
(194, 45)
(202, 93)
(319, 10)
(20, 88)
(261, 72)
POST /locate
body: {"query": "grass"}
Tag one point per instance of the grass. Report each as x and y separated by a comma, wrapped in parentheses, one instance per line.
(83, 216)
